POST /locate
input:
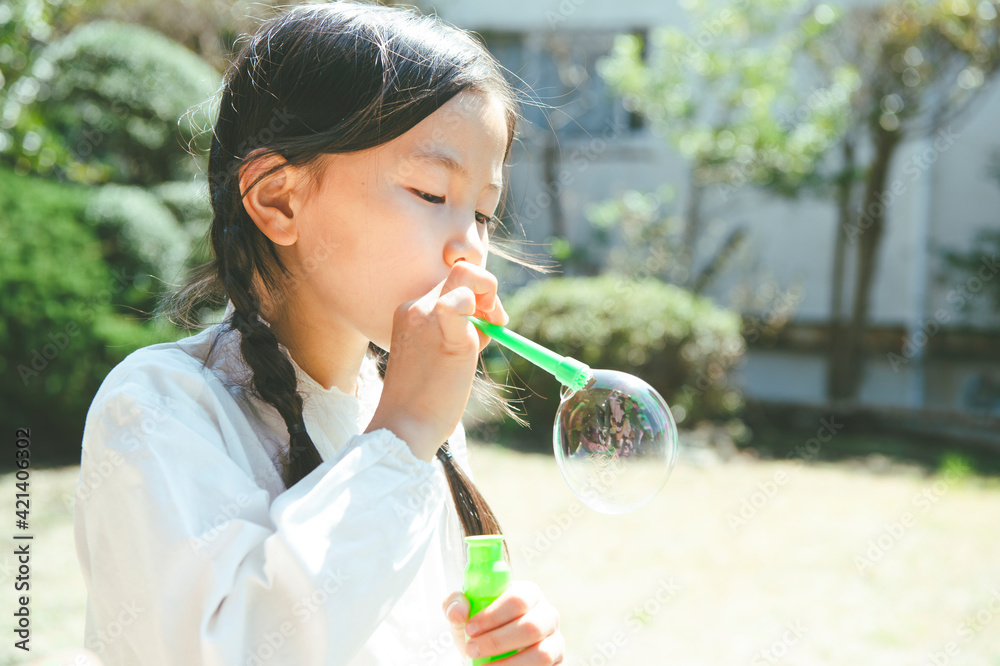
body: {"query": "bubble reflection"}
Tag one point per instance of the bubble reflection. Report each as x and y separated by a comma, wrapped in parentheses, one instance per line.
(615, 442)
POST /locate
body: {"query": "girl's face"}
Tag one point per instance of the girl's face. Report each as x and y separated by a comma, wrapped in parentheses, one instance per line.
(384, 226)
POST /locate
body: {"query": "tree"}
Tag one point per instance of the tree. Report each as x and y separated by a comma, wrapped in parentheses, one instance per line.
(921, 66)
(887, 74)
(726, 94)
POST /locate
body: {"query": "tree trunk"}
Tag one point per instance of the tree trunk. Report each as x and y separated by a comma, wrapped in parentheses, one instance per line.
(836, 347)
(550, 163)
(867, 236)
(692, 224)
(720, 260)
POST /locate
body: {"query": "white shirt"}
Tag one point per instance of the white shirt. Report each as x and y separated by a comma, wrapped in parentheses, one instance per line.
(194, 554)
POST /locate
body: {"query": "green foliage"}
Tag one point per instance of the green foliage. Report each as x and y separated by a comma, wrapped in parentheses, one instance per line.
(111, 102)
(63, 327)
(189, 204)
(956, 467)
(681, 344)
(98, 103)
(188, 201)
(642, 235)
(726, 94)
(970, 267)
(930, 60)
(27, 26)
(141, 234)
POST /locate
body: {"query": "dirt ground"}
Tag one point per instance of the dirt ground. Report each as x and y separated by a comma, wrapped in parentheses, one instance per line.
(738, 562)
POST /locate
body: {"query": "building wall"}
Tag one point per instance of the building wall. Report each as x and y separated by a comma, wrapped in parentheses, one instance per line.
(945, 196)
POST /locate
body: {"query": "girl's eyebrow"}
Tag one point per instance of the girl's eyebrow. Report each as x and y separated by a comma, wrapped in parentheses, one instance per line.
(448, 161)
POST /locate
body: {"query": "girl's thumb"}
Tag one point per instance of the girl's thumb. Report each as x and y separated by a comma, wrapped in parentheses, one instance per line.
(456, 609)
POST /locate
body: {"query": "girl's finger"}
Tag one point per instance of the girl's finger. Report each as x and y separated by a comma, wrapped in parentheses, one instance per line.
(529, 629)
(482, 283)
(516, 600)
(498, 315)
(454, 306)
(460, 299)
(456, 611)
(549, 651)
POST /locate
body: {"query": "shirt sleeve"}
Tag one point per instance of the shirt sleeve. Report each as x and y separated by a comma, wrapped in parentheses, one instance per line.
(187, 561)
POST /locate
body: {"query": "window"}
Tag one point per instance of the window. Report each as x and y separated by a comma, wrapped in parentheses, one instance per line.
(559, 69)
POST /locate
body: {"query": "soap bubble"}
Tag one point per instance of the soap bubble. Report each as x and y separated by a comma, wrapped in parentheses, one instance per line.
(615, 442)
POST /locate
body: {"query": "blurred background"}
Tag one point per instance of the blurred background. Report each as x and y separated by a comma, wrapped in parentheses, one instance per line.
(783, 215)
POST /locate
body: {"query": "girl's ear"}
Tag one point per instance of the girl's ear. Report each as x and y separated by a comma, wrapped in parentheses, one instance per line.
(271, 203)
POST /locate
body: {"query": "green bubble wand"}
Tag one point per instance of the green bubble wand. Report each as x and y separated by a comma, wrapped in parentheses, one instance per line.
(571, 373)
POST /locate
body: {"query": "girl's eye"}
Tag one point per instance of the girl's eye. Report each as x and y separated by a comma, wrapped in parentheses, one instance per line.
(491, 221)
(428, 197)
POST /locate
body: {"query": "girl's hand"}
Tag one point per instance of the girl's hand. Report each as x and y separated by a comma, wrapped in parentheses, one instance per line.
(519, 619)
(433, 355)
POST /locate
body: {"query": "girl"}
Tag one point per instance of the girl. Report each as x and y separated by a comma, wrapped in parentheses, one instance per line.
(273, 489)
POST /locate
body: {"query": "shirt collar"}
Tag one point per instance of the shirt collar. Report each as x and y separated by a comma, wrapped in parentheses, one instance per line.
(369, 381)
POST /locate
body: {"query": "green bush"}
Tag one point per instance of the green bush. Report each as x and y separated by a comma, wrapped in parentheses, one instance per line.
(140, 232)
(66, 320)
(681, 344)
(112, 102)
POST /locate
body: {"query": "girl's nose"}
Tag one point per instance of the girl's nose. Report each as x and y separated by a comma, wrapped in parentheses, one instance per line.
(465, 244)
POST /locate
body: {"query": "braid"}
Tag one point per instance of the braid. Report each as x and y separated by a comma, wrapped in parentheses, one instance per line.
(476, 516)
(273, 375)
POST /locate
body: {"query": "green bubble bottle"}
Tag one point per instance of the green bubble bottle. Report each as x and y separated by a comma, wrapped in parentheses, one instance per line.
(487, 575)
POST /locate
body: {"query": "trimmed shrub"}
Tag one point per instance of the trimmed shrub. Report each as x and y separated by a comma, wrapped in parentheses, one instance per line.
(140, 233)
(112, 102)
(65, 323)
(683, 345)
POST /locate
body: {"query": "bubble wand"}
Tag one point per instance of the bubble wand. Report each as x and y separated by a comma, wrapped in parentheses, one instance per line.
(571, 373)
(614, 437)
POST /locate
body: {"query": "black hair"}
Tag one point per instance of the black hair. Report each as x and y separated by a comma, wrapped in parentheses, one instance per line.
(316, 80)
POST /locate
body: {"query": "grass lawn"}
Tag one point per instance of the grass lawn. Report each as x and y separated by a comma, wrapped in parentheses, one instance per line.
(739, 562)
